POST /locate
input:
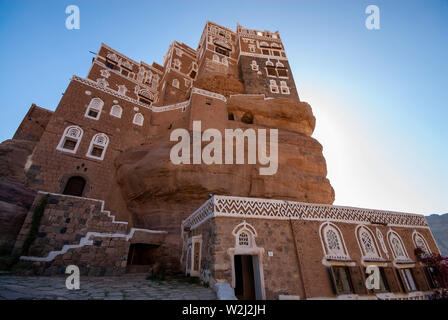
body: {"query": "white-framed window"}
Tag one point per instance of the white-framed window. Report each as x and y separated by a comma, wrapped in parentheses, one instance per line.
(273, 86)
(225, 61)
(98, 146)
(176, 64)
(187, 83)
(216, 58)
(176, 83)
(396, 244)
(252, 48)
(94, 108)
(333, 242)
(71, 139)
(116, 111)
(420, 242)
(284, 87)
(138, 119)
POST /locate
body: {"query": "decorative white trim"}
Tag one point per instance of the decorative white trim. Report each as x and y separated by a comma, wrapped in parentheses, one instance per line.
(227, 206)
(208, 94)
(114, 93)
(86, 241)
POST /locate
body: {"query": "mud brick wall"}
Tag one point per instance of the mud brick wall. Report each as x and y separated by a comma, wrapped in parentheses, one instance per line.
(297, 266)
(281, 273)
(33, 124)
(255, 83)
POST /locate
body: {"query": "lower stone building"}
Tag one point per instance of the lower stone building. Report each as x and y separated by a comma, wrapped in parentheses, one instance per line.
(275, 249)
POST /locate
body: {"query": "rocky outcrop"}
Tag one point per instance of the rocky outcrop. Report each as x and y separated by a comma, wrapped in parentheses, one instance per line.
(15, 197)
(221, 84)
(439, 228)
(286, 114)
(160, 194)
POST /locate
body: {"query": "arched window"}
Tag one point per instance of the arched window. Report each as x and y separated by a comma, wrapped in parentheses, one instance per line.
(269, 63)
(176, 83)
(332, 242)
(70, 139)
(138, 119)
(94, 109)
(116, 111)
(367, 243)
(244, 235)
(216, 58)
(396, 244)
(98, 146)
(279, 65)
(420, 242)
(75, 186)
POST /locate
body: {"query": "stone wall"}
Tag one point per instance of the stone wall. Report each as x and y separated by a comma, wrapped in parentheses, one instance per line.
(75, 231)
(33, 124)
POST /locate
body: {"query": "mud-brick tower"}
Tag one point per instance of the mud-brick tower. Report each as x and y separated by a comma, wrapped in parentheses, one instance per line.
(263, 65)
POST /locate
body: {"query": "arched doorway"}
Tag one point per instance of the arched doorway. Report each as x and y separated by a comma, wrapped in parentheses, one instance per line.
(75, 186)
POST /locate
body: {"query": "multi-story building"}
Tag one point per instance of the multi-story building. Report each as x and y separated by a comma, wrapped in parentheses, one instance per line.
(103, 154)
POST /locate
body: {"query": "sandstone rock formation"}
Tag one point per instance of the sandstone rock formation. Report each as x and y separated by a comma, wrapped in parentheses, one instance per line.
(221, 84)
(15, 197)
(161, 194)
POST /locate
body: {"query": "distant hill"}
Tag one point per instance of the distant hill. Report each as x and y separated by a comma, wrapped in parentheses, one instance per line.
(439, 228)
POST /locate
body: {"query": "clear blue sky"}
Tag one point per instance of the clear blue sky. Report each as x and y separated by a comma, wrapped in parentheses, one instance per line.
(380, 97)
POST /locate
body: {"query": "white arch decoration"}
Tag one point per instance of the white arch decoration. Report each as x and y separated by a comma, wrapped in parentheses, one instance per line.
(138, 119)
(116, 111)
(367, 243)
(333, 242)
(397, 247)
(420, 242)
